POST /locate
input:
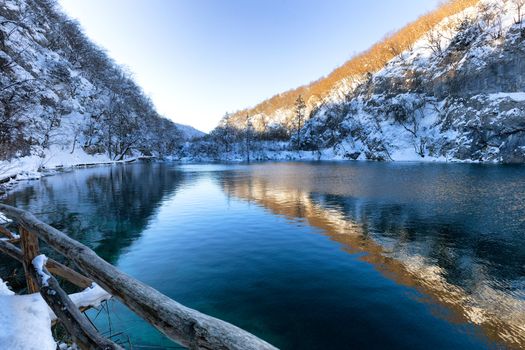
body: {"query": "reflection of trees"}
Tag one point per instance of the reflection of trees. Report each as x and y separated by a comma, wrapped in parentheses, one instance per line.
(104, 207)
(440, 260)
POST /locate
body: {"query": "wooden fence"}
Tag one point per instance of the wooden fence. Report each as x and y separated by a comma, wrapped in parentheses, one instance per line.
(186, 326)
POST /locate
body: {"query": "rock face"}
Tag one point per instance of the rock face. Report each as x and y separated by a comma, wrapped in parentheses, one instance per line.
(465, 103)
(457, 94)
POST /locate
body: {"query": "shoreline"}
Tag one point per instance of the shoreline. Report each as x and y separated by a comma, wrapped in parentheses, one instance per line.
(28, 171)
(8, 182)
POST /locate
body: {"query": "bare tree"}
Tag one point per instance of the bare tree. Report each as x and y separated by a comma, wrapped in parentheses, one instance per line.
(408, 112)
(489, 18)
(498, 21)
(14, 99)
(435, 41)
(519, 6)
(66, 74)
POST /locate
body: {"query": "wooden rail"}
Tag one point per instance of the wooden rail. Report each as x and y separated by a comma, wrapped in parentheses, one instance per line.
(53, 266)
(77, 325)
(186, 326)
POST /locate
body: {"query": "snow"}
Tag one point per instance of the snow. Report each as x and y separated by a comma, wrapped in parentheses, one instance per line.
(406, 155)
(189, 131)
(4, 219)
(515, 96)
(54, 159)
(23, 315)
(39, 262)
(25, 320)
(4, 289)
(91, 296)
(30, 167)
(63, 346)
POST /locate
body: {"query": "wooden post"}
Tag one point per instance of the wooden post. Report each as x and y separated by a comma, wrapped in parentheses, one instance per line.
(29, 243)
(53, 266)
(6, 232)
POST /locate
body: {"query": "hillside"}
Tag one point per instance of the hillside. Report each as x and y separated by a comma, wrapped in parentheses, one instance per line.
(63, 100)
(334, 86)
(456, 93)
(189, 132)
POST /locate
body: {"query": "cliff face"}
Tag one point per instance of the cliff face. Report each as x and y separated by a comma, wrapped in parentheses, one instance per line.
(458, 93)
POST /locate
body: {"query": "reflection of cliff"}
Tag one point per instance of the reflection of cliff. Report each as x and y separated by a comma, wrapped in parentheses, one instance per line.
(424, 263)
(105, 207)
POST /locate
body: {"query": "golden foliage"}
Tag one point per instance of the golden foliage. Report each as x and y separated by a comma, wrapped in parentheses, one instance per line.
(370, 61)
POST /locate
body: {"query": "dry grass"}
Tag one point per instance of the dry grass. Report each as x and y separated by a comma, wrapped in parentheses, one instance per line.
(370, 61)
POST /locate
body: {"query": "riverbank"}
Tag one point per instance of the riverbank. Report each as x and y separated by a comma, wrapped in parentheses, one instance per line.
(56, 160)
(274, 151)
(34, 167)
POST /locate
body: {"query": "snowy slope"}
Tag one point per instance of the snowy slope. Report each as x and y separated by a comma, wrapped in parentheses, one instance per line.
(63, 101)
(189, 132)
(456, 94)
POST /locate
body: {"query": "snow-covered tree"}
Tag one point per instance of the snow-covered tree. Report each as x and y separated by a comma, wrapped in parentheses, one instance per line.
(57, 88)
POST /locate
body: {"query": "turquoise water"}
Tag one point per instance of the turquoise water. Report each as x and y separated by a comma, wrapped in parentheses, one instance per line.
(310, 255)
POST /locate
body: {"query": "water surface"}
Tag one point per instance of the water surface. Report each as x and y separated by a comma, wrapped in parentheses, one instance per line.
(310, 255)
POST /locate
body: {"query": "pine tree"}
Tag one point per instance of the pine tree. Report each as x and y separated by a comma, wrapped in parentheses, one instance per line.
(249, 136)
(300, 108)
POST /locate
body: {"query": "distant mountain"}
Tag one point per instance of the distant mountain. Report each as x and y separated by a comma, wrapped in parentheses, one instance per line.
(450, 86)
(189, 132)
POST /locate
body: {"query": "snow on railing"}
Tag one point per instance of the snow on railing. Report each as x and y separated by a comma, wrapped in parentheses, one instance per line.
(39, 262)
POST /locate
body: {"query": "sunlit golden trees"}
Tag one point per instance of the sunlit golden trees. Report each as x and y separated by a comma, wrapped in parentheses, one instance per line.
(359, 66)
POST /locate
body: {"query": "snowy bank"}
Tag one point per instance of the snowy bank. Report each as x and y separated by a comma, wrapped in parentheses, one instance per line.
(22, 313)
(55, 159)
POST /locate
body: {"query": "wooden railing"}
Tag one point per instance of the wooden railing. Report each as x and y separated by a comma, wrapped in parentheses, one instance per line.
(186, 326)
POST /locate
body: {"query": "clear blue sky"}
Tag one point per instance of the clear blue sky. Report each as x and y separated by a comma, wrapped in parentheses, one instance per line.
(198, 59)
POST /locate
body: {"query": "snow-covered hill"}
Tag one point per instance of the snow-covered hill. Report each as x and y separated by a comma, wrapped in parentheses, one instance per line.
(63, 101)
(457, 93)
(189, 132)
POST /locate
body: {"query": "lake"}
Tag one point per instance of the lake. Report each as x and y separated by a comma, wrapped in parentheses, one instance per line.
(321, 255)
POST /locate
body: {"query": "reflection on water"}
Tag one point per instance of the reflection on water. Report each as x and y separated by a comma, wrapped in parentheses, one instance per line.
(104, 207)
(477, 270)
(432, 255)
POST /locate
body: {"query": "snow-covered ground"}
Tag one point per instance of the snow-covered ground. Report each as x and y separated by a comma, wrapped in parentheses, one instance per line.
(26, 319)
(20, 314)
(34, 167)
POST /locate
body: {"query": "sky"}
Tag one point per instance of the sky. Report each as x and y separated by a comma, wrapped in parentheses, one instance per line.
(198, 59)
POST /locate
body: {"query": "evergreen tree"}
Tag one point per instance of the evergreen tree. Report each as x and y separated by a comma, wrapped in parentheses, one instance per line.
(249, 136)
(300, 108)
